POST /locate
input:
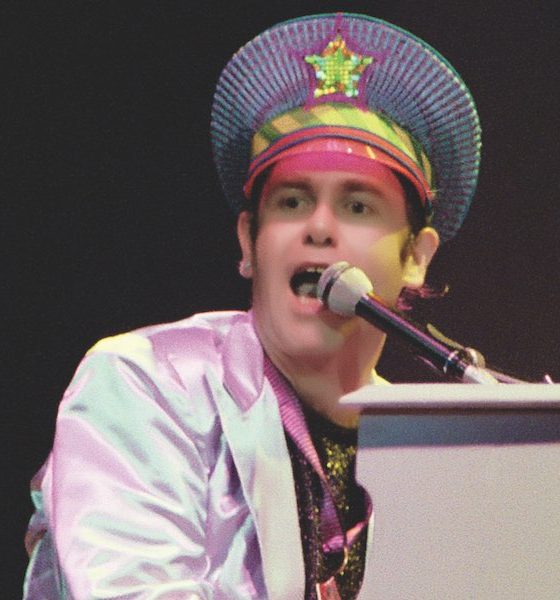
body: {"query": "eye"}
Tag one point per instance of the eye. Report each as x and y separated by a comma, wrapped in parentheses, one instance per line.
(291, 202)
(287, 202)
(360, 207)
(357, 207)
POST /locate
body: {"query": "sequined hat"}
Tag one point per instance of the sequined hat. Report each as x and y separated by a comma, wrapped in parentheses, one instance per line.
(375, 88)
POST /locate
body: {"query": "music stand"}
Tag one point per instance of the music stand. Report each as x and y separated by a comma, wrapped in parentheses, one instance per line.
(465, 485)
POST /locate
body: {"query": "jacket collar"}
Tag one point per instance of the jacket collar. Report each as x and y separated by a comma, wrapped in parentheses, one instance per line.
(243, 362)
(253, 428)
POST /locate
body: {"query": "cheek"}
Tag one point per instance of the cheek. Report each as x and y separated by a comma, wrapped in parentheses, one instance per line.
(263, 251)
(274, 240)
(388, 248)
(385, 265)
(268, 251)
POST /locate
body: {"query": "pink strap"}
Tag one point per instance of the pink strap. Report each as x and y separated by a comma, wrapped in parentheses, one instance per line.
(334, 538)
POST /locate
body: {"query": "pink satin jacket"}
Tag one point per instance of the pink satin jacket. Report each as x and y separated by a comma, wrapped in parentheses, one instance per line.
(169, 477)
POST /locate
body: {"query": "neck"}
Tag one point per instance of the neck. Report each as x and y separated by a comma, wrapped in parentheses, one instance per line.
(321, 381)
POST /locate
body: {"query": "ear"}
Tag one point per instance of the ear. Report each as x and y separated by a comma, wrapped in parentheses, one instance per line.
(421, 250)
(245, 243)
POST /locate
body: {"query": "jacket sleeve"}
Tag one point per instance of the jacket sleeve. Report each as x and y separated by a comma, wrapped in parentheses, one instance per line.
(128, 497)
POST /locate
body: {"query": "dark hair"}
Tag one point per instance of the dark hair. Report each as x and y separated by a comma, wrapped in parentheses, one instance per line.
(415, 212)
(252, 203)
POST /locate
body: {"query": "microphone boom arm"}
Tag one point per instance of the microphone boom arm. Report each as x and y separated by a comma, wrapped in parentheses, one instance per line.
(451, 362)
(347, 291)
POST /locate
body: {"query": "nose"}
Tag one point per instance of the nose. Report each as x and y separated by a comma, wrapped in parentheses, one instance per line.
(320, 227)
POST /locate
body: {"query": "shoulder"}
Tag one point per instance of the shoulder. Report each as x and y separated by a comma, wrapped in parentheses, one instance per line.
(199, 334)
(181, 350)
(153, 379)
(165, 364)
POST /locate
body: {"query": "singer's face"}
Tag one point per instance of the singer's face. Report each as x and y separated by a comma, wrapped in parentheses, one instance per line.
(308, 219)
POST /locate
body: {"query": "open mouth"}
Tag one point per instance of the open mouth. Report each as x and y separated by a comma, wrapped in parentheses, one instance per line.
(304, 281)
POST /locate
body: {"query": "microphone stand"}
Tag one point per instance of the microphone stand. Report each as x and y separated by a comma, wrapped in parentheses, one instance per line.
(456, 363)
(439, 352)
(347, 291)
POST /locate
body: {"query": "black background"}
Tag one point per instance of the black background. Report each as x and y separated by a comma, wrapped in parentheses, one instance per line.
(113, 219)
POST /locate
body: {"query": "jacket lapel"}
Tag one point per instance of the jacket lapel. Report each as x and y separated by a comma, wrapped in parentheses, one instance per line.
(253, 427)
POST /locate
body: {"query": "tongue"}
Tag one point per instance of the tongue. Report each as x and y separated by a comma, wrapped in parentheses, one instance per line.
(307, 289)
(304, 283)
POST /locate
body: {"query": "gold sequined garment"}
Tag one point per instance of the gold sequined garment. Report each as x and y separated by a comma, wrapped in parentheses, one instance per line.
(336, 447)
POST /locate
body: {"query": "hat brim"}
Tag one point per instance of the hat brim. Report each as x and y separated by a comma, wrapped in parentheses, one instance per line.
(411, 83)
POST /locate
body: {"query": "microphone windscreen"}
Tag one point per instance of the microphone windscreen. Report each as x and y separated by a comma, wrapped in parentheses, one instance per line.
(341, 286)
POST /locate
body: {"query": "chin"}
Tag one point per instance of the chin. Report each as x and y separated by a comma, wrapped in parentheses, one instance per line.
(303, 330)
(319, 338)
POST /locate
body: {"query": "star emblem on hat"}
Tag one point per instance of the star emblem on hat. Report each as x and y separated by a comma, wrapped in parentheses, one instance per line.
(338, 69)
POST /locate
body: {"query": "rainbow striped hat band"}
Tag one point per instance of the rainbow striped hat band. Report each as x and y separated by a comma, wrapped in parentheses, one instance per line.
(365, 86)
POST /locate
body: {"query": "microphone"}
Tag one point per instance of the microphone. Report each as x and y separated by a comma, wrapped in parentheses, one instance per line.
(347, 291)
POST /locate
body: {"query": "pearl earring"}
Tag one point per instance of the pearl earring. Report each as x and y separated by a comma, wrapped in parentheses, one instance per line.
(245, 269)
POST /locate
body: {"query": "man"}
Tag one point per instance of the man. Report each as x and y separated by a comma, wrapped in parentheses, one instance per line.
(209, 458)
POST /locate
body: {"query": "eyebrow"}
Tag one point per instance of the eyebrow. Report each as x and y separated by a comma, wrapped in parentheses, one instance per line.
(298, 183)
(349, 185)
(354, 185)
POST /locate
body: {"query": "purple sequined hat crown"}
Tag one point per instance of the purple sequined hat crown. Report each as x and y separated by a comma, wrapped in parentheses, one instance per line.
(354, 78)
